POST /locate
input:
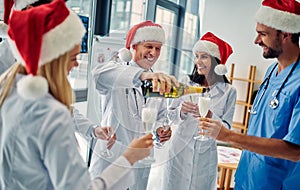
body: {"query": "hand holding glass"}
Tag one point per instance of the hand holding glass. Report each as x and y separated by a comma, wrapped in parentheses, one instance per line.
(107, 153)
(166, 124)
(203, 105)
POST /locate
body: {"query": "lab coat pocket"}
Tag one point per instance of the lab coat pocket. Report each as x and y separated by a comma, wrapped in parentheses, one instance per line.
(206, 160)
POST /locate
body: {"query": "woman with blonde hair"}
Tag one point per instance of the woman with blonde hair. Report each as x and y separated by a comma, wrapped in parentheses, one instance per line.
(38, 149)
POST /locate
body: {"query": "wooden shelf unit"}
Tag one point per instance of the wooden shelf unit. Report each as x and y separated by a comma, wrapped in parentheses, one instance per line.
(247, 104)
(227, 169)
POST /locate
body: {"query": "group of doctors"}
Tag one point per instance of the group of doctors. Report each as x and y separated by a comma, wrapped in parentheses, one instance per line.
(38, 121)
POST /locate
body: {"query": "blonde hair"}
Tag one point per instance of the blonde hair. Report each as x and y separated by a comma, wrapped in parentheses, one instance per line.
(55, 73)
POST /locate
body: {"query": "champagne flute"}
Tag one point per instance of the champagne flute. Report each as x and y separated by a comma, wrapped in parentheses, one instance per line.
(110, 132)
(194, 98)
(108, 153)
(203, 105)
(149, 116)
(166, 124)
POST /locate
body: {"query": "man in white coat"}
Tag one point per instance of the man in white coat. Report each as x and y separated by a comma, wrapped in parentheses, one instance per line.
(121, 96)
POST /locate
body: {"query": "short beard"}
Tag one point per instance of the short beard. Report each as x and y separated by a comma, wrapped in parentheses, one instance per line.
(276, 51)
(272, 53)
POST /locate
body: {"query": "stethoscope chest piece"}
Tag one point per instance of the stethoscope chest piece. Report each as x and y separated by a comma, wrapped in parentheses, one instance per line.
(274, 103)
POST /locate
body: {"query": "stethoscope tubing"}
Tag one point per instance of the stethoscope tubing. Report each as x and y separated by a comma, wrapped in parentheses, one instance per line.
(274, 103)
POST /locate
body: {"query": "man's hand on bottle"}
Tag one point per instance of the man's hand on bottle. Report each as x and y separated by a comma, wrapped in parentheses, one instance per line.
(161, 82)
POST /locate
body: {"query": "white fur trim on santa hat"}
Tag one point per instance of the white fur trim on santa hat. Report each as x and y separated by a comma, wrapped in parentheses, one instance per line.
(62, 38)
(21, 4)
(57, 41)
(3, 30)
(277, 19)
(208, 47)
(32, 87)
(125, 54)
(149, 33)
(220, 69)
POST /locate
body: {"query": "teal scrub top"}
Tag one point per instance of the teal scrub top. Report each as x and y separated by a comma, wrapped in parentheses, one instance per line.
(256, 171)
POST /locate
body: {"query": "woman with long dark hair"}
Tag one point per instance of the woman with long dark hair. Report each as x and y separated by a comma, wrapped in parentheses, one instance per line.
(193, 163)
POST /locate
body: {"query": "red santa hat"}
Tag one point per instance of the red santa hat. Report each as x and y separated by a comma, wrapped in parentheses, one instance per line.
(39, 35)
(8, 6)
(142, 32)
(281, 15)
(216, 47)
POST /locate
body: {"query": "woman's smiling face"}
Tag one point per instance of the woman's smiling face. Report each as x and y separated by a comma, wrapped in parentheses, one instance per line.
(203, 63)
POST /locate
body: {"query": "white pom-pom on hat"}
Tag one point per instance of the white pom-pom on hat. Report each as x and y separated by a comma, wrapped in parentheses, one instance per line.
(32, 87)
(125, 54)
(220, 69)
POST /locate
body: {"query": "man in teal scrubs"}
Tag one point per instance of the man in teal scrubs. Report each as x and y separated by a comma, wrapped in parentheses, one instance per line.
(272, 146)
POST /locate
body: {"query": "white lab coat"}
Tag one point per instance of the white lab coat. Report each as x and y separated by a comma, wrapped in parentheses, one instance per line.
(7, 59)
(121, 108)
(38, 149)
(83, 125)
(193, 164)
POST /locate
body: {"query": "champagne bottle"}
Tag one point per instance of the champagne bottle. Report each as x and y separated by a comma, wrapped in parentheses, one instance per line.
(175, 92)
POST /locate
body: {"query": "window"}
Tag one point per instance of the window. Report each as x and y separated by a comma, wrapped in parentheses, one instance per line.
(124, 14)
(190, 37)
(78, 75)
(167, 18)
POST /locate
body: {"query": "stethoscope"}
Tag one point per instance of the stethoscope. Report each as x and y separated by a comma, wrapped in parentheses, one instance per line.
(137, 110)
(274, 103)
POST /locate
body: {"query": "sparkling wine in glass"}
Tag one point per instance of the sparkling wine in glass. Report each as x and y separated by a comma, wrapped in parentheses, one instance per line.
(149, 116)
(203, 105)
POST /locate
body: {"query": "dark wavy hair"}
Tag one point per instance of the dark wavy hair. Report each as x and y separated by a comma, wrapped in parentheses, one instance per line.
(200, 79)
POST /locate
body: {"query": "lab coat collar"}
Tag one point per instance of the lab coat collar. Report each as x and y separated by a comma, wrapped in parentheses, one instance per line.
(134, 64)
(218, 87)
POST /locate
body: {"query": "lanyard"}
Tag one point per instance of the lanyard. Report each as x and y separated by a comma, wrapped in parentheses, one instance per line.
(274, 102)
